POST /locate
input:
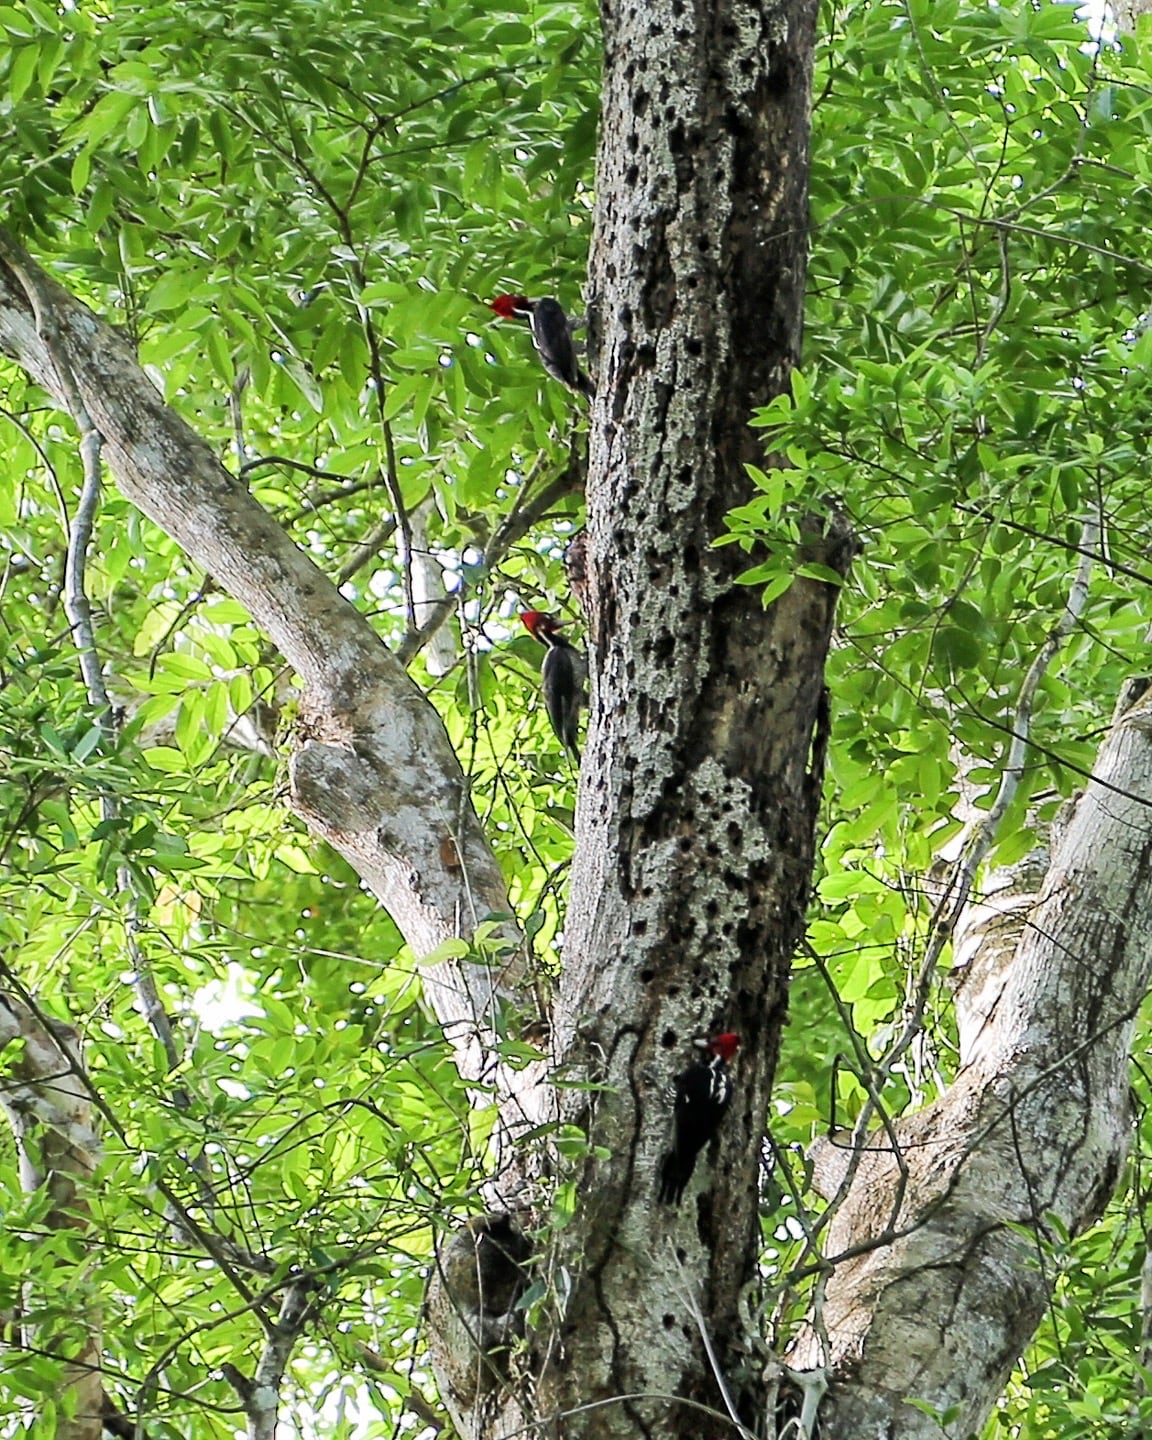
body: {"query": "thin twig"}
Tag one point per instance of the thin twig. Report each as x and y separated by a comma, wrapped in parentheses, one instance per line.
(511, 530)
(236, 406)
(697, 1314)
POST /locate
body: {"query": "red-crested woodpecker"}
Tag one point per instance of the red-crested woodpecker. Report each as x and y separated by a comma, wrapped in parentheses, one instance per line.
(552, 336)
(562, 677)
(703, 1093)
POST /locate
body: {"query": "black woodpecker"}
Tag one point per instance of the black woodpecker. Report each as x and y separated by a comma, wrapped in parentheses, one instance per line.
(552, 336)
(703, 1094)
(562, 677)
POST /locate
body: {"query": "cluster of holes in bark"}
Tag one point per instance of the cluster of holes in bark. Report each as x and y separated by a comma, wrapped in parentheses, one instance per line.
(656, 557)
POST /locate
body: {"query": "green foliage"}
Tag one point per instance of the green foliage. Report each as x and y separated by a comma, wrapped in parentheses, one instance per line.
(974, 390)
(298, 212)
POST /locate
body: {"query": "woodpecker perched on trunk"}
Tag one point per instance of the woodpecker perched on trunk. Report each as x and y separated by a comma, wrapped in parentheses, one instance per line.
(703, 1093)
(552, 336)
(562, 676)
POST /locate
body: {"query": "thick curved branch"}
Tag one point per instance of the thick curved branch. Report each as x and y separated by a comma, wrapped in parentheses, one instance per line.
(1036, 1124)
(375, 774)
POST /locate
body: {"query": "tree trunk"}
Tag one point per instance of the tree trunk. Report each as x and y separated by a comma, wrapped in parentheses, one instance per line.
(702, 781)
(48, 1105)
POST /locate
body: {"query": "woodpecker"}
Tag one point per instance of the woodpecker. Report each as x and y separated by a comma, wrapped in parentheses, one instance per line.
(703, 1093)
(552, 336)
(562, 677)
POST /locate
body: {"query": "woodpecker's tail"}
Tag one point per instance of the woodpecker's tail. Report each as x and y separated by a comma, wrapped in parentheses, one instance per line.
(675, 1172)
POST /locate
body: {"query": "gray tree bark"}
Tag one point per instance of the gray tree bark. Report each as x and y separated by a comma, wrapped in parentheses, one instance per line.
(47, 1103)
(701, 785)
(937, 1281)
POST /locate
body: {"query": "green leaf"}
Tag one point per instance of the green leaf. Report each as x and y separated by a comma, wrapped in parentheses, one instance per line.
(958, 649)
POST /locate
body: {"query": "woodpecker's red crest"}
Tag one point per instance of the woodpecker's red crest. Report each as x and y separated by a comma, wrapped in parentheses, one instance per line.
(724, 1046)
(540, 624)
(509, 307)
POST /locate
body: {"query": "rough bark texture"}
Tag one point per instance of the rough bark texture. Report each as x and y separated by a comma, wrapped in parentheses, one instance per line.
(374, 774)
(696, 820)
(1037, 1124)
(700, 786)
(478, 1276)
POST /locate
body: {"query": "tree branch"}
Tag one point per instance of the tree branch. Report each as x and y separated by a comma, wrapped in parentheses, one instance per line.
(515, 525)
(375, 773)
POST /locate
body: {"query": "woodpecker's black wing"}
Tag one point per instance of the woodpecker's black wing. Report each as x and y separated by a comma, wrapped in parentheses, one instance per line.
(562, 675)
(552, 336)
(703, 1093)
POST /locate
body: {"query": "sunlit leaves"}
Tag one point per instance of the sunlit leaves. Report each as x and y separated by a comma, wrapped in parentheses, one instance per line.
(974, 387)
(297, 213)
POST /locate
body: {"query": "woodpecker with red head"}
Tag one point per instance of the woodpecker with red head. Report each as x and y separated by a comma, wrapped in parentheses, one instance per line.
(562, 677)
(552, 336)
(703, 1094)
